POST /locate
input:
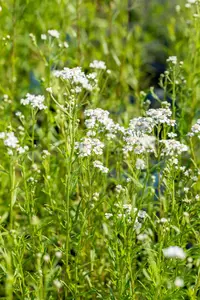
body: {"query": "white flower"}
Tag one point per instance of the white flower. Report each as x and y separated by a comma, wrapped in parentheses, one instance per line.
(160, 115)
(142, 214)
(98, 164)
(172, 59)
(142, 236)
(57, 283)
(163, 220)
(95, 196)
(140, 164)
(45, 153)
(137, 226)
(186, 214)
(65, 44)
(89, 146)
(179, 282)
(178, 8)
(173, 147)
(127, 208)
(98, 119)
(142, 125)
(10, 152)
(92, 75)
(119, 188)
(174, 252)
(75, 76)
(49, 90)
(172, 135)
(77, 89)
(22, 150)
(140, 144)
(54, 33)
(43, 36)
(11, 140)
(32, 36)
(36, 101)
(98, 64)
(46, 258)
(2, 135)
(58, 254)
(195, 129)
(108, 215)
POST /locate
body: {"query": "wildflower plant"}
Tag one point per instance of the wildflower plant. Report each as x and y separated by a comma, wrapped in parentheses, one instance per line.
(100, 189)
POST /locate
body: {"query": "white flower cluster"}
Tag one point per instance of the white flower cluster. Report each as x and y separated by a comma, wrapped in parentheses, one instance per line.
(98, 164)
(76, 77)
(36, 101)
(142, 237)
(98, 64)
(141, 125)
(58, 284)
(173, 148)
(172, 135)
(172, 59)
(89, 146)
(45, 154)
(137, 136)
(140, 164)
(128, 211)
(140, 144)
(54, 33)
(174, 252)
(154, 117)
(98, 120)
(119, 189)
(12, 142)
(195, 129)
(161, 116)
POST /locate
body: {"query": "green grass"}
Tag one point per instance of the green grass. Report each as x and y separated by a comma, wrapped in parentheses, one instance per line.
(97, 182)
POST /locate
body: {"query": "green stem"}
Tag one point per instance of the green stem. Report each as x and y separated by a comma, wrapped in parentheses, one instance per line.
(13, 191)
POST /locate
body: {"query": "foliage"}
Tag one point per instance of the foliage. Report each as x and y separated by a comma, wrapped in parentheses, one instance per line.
(99, 170)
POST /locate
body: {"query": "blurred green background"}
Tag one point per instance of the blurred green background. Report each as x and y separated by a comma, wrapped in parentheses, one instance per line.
(133, 37)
